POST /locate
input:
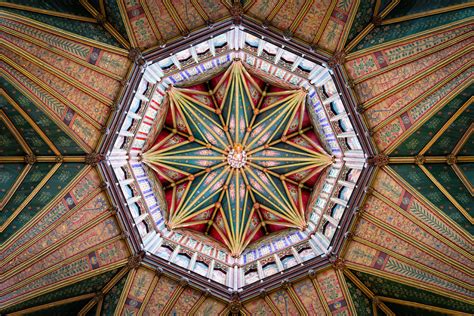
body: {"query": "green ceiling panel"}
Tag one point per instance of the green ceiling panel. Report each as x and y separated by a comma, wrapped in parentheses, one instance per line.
(90, 30)
(35, 175)
(34, 141)
(468, 171)
(112, 297)
(67, 309)
(402, 310)
(415, 143)
(91, 285)
(408, 7)
(384, 4)
(114, 17)
(416, 178)
(384, 287)
(61, 178)
(363, 17)
(61, 140)
(446, 143)
(9, 146)
(63, 6)
(8, 174)
(361, 302)
(468, 148)
(397, 31)
(451, 182)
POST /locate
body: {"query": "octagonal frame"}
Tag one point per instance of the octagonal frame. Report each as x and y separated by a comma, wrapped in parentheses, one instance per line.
(120, 115)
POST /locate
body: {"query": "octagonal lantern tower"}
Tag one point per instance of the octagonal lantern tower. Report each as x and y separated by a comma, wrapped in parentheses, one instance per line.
(237, 158)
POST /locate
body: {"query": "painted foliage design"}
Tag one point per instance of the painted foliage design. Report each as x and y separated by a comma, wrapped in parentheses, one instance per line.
(238, 162)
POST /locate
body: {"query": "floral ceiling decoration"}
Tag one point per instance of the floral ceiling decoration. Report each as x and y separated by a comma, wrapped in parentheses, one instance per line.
(238, 158)
(236, 151)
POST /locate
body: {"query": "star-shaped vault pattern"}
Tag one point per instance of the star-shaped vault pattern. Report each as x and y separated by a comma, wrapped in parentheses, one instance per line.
(237, 157)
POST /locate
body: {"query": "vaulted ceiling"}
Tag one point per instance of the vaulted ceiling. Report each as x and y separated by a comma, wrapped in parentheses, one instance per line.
(65, 65)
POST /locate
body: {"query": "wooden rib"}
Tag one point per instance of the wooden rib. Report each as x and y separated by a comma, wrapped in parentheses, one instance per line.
(58, 73)
(175, 16)
(123, 296)
(394, 43)
(48, 12)
(58, 265)
(59, 52)
(148, 294)
(30, 197)
(16, 134)
(378, 4)
(423, 225)
(275, 10)
(422, 306)
(324, 22)
(107, 25)
(289, 137)
(418, 76)
(348, 24)
(107, 287)
(410, 59)
(361, 286)
(252, 121)
(406, 281)
(201, 299)
(345, 291)
(464, 137)
(174, 297)
(15, 186)
(61, 33)
(416, 244)
(30, 224)
(428, 13)
(272, 306)
(447, 194)
(371, 25)
(54, 247)
(440, 104)
(30, 121)
(52, 92)
(53, 304)
(151, 21)
(320, 295)
(200, 10)
(448, 124)
(448, 221)
(221, 118)
(464, 179)
(38, 103)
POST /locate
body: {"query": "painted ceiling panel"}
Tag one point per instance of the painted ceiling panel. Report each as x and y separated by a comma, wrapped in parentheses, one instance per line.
(64, 6)
(22, 104)
(112, 13)
(363, 17)
(388, 288)
(9, 145)
(407, 7)
(362, 303)
(419, 139)
(449, 140)
(388, 33)
(410, 250)
(90, 285)
(418, 180)
(88, 30)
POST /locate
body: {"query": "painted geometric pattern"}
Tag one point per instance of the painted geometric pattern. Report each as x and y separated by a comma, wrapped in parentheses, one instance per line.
(384, 287)
(323, 23)
(237, 158)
